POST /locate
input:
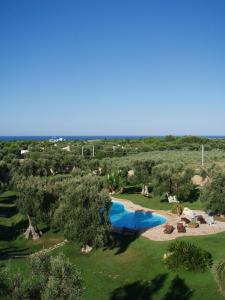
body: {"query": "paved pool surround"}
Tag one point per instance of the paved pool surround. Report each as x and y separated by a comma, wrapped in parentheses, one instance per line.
(157, 234)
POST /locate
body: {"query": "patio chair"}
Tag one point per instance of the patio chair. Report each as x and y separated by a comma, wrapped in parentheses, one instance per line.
(185, 220)
(168, 229)
(211, 220)
(188, 213)
(181, 228)
(201, 219)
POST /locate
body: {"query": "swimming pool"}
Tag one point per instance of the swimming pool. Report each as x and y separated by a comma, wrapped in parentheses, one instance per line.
(122, 217)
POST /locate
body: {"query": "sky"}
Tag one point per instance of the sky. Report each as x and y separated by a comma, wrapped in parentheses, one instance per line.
(112, 67)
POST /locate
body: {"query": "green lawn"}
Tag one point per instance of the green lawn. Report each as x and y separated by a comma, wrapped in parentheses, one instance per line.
(133, 270)
(136, 271)
(12, 226)
(155, 202)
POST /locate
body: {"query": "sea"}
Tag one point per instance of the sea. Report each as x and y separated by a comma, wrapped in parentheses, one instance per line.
(86, 137)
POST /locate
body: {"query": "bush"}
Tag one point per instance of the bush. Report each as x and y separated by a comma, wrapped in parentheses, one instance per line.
(50, 278)
(188, 256)
(219, 274)
(177, 208)
(203, 173)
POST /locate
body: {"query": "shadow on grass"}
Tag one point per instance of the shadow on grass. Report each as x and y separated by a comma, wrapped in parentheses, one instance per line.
(7, 200)
(178, 290)
(139, 290)
(164, 200)
(9, 233)
(45, 229)
(132, 190)
(8, 211)
(13, 253)
(121, 242)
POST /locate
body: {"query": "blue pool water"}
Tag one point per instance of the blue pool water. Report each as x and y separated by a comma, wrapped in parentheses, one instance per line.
(122, 217)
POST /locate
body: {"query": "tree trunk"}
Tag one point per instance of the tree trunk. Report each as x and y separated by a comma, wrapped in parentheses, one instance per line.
(31, 232)
(121, 191)
(146, 193)
(143, 190)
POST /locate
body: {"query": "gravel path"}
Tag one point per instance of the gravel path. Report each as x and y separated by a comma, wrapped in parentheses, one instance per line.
(47, 250)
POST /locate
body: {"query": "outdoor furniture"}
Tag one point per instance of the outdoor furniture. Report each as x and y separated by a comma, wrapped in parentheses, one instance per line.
(188, 213)
(185, 220)
(172, 199)
(201, 219)
(211, 220)
(181, 228)
(168, 229)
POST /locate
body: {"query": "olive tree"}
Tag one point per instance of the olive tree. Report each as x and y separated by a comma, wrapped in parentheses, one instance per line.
(213, 194)
(173, 180)
(142, 173)
(49, 278)
(84, 213)
(36, 199)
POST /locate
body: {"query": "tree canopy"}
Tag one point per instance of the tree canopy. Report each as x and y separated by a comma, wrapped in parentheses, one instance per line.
(50, 278)
(213, 194)
(84, 212)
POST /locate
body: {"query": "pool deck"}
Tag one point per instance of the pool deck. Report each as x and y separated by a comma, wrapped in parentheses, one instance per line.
(157, 234)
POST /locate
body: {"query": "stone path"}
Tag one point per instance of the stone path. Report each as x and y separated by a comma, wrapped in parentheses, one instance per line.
(157, 234)
(47, 250)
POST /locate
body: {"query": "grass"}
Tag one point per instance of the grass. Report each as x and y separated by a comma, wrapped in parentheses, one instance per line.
(155, 202)
(12, 226)
(137, 271)
(133, 270)
(190, 158)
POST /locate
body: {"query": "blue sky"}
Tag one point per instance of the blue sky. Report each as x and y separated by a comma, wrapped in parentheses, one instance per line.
(119, 67)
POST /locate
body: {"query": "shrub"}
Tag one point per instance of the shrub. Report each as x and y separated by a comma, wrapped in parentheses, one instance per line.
(219, 274)
(177, 208)
(50, 278)
(203, 173)
(188, 256)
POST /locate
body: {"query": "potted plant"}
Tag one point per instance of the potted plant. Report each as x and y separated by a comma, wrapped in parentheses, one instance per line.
(177, 209)
(193, 224)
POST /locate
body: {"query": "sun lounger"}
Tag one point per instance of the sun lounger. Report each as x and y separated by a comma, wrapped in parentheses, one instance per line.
(172, 199)
(188, 213)
(211, 220)
(201, 219)
(168, 229)
(185, 220)
(181, 228)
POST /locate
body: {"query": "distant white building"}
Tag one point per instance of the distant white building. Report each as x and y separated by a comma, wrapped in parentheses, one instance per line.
(55, 140)
(22, 152)
(67, 148)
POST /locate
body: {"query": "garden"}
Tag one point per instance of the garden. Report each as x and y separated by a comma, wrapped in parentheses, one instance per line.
(53, 204)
